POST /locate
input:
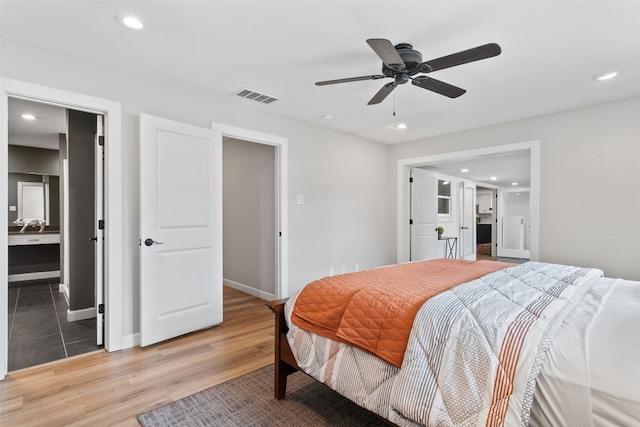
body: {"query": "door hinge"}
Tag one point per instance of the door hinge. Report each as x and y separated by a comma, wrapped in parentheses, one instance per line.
(101, 140)
(410, 222)
(280, 233)
(101, 224)
(100, 308)
(410, 179)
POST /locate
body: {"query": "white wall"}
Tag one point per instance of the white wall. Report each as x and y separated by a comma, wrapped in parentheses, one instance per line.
(346, 181)
(590, 185)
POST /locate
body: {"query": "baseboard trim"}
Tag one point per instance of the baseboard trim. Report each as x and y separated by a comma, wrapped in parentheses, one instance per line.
(83, 314)
(130, 340)
(34, 276)
(64, 289)
(249, 290)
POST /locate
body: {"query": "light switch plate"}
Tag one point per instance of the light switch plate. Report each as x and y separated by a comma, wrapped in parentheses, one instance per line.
(299, 199)
(12, 209)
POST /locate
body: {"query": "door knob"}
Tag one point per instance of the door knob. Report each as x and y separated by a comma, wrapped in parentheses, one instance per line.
(149, 242)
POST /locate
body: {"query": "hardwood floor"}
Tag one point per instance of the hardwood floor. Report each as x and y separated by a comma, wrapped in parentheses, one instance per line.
(111, 389)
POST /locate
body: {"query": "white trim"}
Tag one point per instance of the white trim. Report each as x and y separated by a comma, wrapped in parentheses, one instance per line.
(402, 177)
(34, 276)
(113, 200)
(282, 267)
(130, 340)
(249, 290)
(82, 314)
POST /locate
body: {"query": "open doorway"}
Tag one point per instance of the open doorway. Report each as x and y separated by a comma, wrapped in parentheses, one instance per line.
(267, 238)
(453, 164)
(485, 222)
(53, 248)
(249, 217)
(113, 242)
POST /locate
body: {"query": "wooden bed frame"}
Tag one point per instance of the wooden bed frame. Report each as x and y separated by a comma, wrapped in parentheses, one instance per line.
(284, 364)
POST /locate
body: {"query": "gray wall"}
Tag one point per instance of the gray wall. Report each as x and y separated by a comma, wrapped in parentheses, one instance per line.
(29, 164)
(81, 137)
(249, 215)
(33, 160)
(590, 185)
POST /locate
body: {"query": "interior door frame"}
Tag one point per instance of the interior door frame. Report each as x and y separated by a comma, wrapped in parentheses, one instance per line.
(281, 189)
(114, 249)
(467, 210)
(403, 169)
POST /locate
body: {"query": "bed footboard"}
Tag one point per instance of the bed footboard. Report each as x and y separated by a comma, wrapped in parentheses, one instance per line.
(284, 363)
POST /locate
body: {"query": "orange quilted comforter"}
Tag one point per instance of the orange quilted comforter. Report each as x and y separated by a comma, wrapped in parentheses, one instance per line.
(374, 309)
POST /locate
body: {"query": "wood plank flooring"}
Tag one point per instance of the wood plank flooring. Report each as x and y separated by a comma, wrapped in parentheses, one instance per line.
(111, 389)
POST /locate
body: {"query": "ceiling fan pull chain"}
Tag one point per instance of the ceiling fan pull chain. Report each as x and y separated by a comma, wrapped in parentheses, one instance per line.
(394, 104)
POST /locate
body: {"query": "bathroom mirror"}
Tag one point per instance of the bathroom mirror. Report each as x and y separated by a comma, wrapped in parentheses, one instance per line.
(34, 196)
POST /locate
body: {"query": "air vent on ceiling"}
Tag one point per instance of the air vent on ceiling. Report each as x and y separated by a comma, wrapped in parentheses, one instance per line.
(256, 96)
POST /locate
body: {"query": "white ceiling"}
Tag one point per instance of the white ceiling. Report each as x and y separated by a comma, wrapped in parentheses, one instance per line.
(550, 52)
(43, 132)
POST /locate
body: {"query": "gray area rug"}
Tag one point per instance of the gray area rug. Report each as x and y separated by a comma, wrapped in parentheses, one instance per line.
(248, 401)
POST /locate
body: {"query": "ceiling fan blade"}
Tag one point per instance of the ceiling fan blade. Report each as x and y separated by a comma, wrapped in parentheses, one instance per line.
(350, 79)
(387, 52)
(463, 57)
(438, 87)
(382, 93)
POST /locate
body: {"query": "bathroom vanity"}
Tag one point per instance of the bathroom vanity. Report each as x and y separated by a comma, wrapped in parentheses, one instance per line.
(34, 255)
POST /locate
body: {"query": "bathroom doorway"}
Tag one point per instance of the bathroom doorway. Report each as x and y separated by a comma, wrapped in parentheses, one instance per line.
(54, 247)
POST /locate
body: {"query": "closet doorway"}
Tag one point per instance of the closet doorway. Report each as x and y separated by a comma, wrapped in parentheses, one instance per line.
(55, 246)
(249, 217)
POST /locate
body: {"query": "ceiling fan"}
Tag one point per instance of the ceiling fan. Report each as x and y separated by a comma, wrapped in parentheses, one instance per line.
(402, 63)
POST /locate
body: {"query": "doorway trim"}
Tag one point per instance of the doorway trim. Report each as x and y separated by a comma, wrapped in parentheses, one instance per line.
(403, 170)
(281, 168)
(111, 110)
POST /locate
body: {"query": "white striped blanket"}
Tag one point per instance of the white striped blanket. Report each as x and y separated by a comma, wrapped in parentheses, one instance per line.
(475, 351)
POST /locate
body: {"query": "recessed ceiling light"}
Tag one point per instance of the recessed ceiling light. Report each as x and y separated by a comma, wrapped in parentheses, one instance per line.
(464, 170)
(130, 21)
(28, 116)
(605, 76)
(327, 117)
(446, 183)
(493, 178)
(514, 183)
(401, 126)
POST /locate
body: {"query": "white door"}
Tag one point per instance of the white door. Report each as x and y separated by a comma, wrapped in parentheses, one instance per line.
(99, 232)
(468, 222)
(424, 215)
(513, 223)
(180, 229)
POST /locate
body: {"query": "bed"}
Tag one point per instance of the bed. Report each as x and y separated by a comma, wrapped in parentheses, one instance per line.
(530, 344)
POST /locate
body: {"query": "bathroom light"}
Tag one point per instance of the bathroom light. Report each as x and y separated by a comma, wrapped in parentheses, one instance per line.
(493, 178)
(464, 170)
(514, 183)
(401, 126)
(605, 76)
(130, 21)
(28, 116)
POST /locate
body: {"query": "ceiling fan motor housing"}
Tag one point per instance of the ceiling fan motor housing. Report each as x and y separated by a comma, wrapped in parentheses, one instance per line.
(410, 57)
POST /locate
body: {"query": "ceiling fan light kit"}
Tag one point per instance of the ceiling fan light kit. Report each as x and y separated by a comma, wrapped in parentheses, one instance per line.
(401, 63)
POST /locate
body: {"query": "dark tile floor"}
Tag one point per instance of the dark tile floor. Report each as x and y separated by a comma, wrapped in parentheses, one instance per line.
(38, 328)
